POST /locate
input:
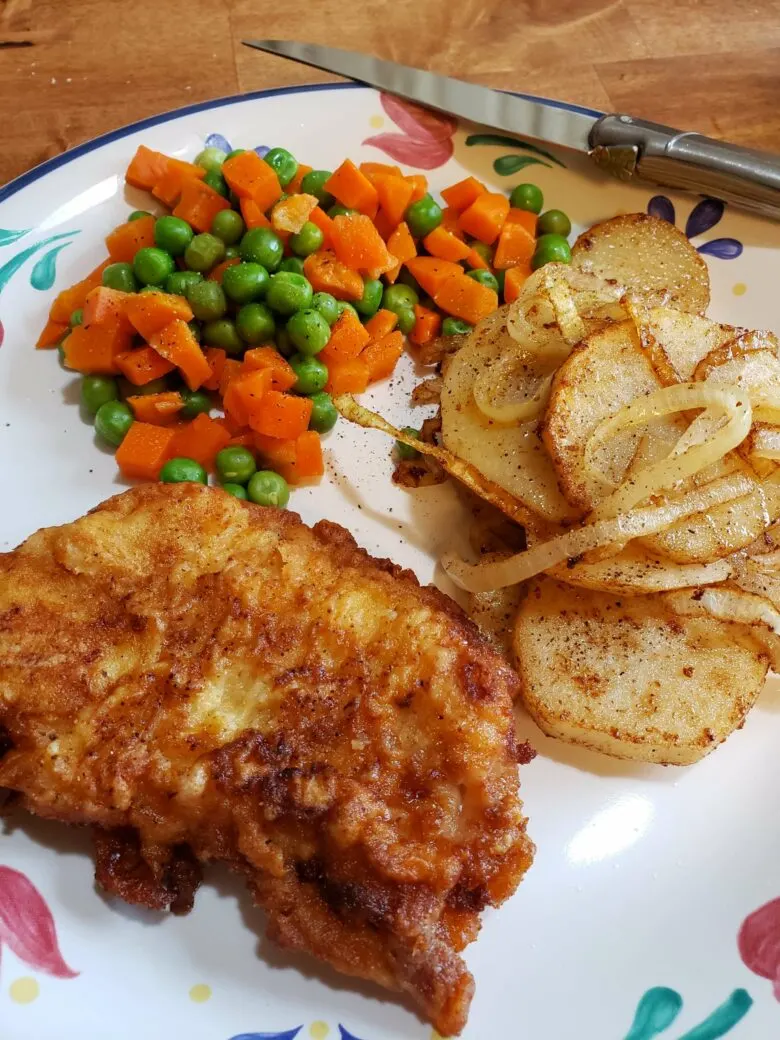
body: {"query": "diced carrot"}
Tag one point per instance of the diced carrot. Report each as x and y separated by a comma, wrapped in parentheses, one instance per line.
(141, 366)
(218, 273)
(372, 170)
(169, 188)
(253, 215)
(94, 350)
(461, 195)
(445, 245)
(252, 178)
(283, 415)
(381, 356)
(485, 217)
(358, 244)
(295, 184)
(71, 299)
(319, 217)
(347, 339)
(477, 260)
(199, 204)
(515, 246)
(384, 225)
(159, 409)
(524, 217)
(186, 169)
(274, 450)
(449, 221)
(51, 334)
(146, 168)
(395, 193)
(104, 306)
(353, 189)
(282, 374)
(200, 439)
(216, 359)
(231, 369)
(242, 440)
(465, 298)
(426, 325)
(291, 214)
(244, 395)
(149, 313)
(514, 280)
(125, 241)
(419, 185)
(145, 450)
(402, 246)
(177, 344)
(308, 463)
(430, 272)
(347, 377)
(381, 324)
(327, 274)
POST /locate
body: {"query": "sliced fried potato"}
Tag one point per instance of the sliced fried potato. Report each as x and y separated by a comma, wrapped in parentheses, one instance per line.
(494, 614)
(634, 571)
(648, 256)
(738, 347)
(632, 678)
(728, 603)
(677, 342)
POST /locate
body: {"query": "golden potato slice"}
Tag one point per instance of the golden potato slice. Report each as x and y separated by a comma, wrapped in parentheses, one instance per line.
(630, 677)
(738, 347)
(635, 571)
(677, 342)
(650, 257)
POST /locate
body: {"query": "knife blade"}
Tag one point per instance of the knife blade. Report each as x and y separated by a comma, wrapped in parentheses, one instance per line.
(620, 144)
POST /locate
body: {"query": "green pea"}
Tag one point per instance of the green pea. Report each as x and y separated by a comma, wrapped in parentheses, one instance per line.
(120, 276)
(423, 216)
(229, 226)
(154, 386)
(341, 211)
(196, 402)
(138, 214)
(179, 282)
(97, 391)
(183, 471)
(553, 222)
(288, 292)
(76, 318)
(309, 331)
(236, 491)
(204, 252)
(284, 162)
(284, 344)
(262, 246)
(312, 374)
(231, 253)
(292, 264)
(485, 251)
(327, 305)
(313, 183)
(267, 488)
(551, 249)
(255, 323)
(151, 289)
(397, 298)
(211, 159)
(323, 414)
(404, 451)
(527, 196)
(479, 274)
(344, 305)
(406, 320)
(151, 266)
(501, 278)
(223, 333)
(245, 282)
(308, 240)
(173, 235)
(235, 465)
(406, 278)
(235, 152)
(215, 180)
(455, 327)
(194, 327)
(112, 421)
(207, 300)
(61, 351)
(369, 302)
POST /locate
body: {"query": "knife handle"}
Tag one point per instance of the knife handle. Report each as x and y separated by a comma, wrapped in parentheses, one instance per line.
(630, 147)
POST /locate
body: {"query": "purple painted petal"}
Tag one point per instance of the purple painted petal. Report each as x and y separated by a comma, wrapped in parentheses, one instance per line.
(262, 150)
(420, 123)
(660, 206)
(345, 1035)
(425, 155)
(218, 141)
(289, 1035)
(722, 248)
(27, 926)
(703, 216)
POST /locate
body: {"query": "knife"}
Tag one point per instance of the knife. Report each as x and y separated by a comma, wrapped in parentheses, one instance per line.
(623, 146)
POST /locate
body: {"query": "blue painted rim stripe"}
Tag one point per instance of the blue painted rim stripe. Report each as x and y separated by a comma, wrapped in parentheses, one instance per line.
(54, 163)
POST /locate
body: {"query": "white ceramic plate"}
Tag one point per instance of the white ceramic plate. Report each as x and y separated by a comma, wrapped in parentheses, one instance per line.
(644, 876)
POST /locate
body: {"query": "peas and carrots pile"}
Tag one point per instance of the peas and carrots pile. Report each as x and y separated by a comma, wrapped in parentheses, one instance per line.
(268, 288)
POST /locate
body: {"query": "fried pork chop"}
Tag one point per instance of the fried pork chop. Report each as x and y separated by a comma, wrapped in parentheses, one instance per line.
(202, 679)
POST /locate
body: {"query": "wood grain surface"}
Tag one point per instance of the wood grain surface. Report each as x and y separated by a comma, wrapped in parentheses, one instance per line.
(70, 69)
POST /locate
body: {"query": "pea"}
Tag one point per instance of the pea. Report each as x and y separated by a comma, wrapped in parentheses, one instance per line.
(288, 292)
(284, 162)
(485, 251)
(284, 344)
(479, 274)
(215, 180)
(455, 327)
(138, 214)
(211, 159)
(235, 465)
(327, 305)
(551, 249)
(173, 235)
(196, 402)
(527, 196)
(500, 278)
(151, 289)
(267, 488)
(194, 327)
(262, 246)
(369, 302)
(207, 300)
(97, 391)
(255, 323)
(231, 253)
(406, 320)
(406, 278)
(553, 222)
(61, 350)
(312, 374)
(403, 450)
(399, 297)
(236, 491)
(112, 421)
(235, 152)
(246, 282)
(223, 333)
(154, 386)
(308, 240)
(292, 264)
(183, 471)
(178, 282)
(120, 276)
(229, 226)
(308, 331)
(323, 413)
(423, 216)
(344, 305)
(204, 252)
(313, 183)
(341, 211)
(151, 266)
(76, 318)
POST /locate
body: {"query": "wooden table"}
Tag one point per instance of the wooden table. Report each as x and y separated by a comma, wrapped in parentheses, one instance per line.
(70, 69)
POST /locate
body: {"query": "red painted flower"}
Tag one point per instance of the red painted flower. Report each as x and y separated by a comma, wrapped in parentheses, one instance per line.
(426, 141)
(27, 926)
(759, 943)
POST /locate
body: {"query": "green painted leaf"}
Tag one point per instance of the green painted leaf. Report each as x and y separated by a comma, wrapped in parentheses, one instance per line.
(9, 269)
(7, 236)
(45, 271)
(508, 164)
(512, 142)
